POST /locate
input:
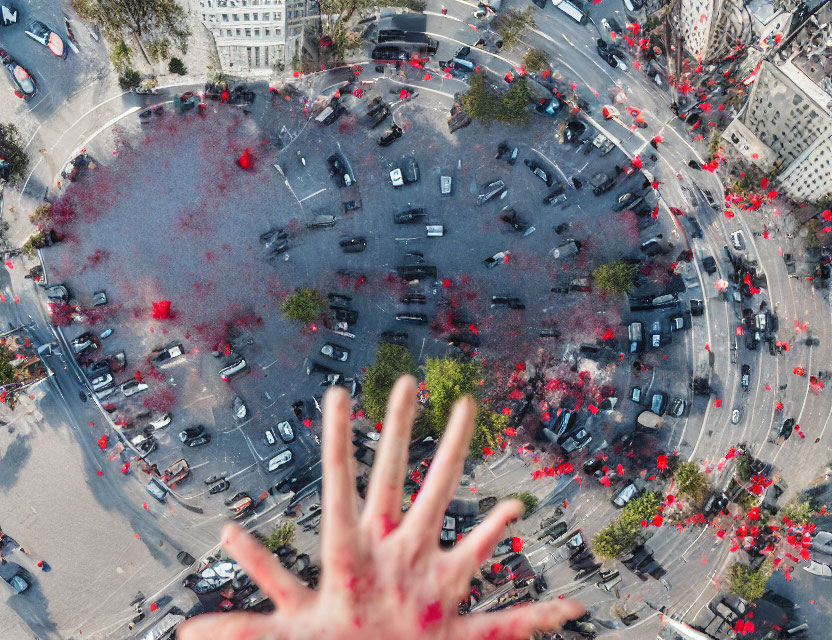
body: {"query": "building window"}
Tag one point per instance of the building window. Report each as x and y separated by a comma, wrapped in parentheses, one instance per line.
(248, 33)
(254, 16)
(225, 17)
(257, 33)
(268, 33)
(228, 32)
(245, 17)
(238, 33)
(236, 17)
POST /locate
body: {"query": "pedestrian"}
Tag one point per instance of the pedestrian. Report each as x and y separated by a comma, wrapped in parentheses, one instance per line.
(444, 11)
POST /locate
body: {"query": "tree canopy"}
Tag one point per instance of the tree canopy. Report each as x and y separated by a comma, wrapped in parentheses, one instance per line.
(615, 277)
(749, 583)
(156, 24)
(483, 101)
(621, 534)
(303, 305)
(13, 158)
(690, 481)
(392, 362)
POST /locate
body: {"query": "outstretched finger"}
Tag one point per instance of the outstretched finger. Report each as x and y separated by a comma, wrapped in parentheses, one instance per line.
(339, 506)
(222, 626)
(383, 507)
(444, 472)
(478, 545)
(263, 568)
(517, 623)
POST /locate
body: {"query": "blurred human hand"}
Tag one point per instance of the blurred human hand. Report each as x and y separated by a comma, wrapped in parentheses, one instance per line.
(384, 575)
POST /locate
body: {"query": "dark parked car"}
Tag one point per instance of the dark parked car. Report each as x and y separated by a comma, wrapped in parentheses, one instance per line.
(57, 293)
(510, 302)
(511, 218)
(492, 190)
(411, 215)
(338, 170)
(626, 201)
(321, 221)
(23, 84)
(537, 169)
(709, 264)
(391, 136)
(548, 107)
(604, 186)
(353, 245)
(389, 53)
(205, 438)
(380, 116)
(785, 429)
(412, 318)
(658, 403)
(504, 152)
(191, 432)
(745, 377)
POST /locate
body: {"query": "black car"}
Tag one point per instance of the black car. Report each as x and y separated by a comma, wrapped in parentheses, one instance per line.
(385, 53)
(23, 84)
(558, 195)
(353, 245)
(626, 201)
(337, 167)
(548, 107)
(605, 186)
(511, 218)
(504, 152)
(380, 116)
(709, 264)
(458, 121)
(98, 368)
(408, 216)
(536, 168)
(191, 433)
(273, 235)
(394, 337)
(205, 438)
(375, 106)
(391, 136)
(414, 298)
(745, 377)
(785, 429)
(337, 111)
(509, 301)
(573, 132)
(322, 221)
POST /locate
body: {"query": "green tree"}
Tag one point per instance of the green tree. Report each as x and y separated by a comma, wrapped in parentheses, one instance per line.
(282, 534)
(447, 380)
(798, 512)
(120, 56)
(42, 217)
(483, 101)
(512, 24)
(621, 534)
(177, 66)
(535, 60)
(130, 79)
(13, 158)
(690, 481)
(529, 501)
(615, 277)
(392, 362)
(156, 24)
(715, 141)
(303, 305)
(488, 426)
(749, 583)
(8, 373)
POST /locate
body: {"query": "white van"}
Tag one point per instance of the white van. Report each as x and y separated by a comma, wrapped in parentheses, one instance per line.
(435, 230)
(571, 10)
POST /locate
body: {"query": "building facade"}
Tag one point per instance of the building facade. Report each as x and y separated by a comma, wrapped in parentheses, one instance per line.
(711, 28)
(255, 36)
(790, 116)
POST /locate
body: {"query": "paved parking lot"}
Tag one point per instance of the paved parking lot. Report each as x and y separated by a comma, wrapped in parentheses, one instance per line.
(193, 218)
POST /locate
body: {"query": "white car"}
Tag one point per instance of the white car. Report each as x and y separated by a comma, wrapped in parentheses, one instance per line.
(819, 569)
(822, 542)
(736, 414)
(160, 422)
(102, 382)
(132, 387)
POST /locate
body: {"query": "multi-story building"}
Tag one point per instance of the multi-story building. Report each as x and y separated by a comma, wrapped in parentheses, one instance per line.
(254, 36)
(786, 125)
(711, 28)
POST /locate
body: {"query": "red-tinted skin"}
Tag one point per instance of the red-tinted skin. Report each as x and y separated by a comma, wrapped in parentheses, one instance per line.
(382, 578)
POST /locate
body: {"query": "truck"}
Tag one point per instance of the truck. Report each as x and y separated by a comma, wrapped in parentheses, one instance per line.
(602, 142)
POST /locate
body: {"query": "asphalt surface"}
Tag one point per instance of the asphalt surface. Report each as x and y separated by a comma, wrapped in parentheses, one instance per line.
(202, 245)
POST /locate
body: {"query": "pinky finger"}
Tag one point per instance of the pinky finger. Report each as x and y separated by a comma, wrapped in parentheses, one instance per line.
(518, 623)
(222, 626)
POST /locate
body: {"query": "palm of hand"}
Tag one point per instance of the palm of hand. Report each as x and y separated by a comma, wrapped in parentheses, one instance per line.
(383, 577)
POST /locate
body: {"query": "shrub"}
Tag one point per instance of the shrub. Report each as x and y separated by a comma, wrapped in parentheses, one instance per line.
(12, 150)
(303, 305)
(615, 277)
(529, 501)
(749, 583)
(120, 56)
(485, 102)
(798, 512)
(536, 60)
(177, 66)
(129, 79)
(282, 534)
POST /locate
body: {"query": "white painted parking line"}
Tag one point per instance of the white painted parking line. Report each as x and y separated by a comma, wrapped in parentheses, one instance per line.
(312, 195)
